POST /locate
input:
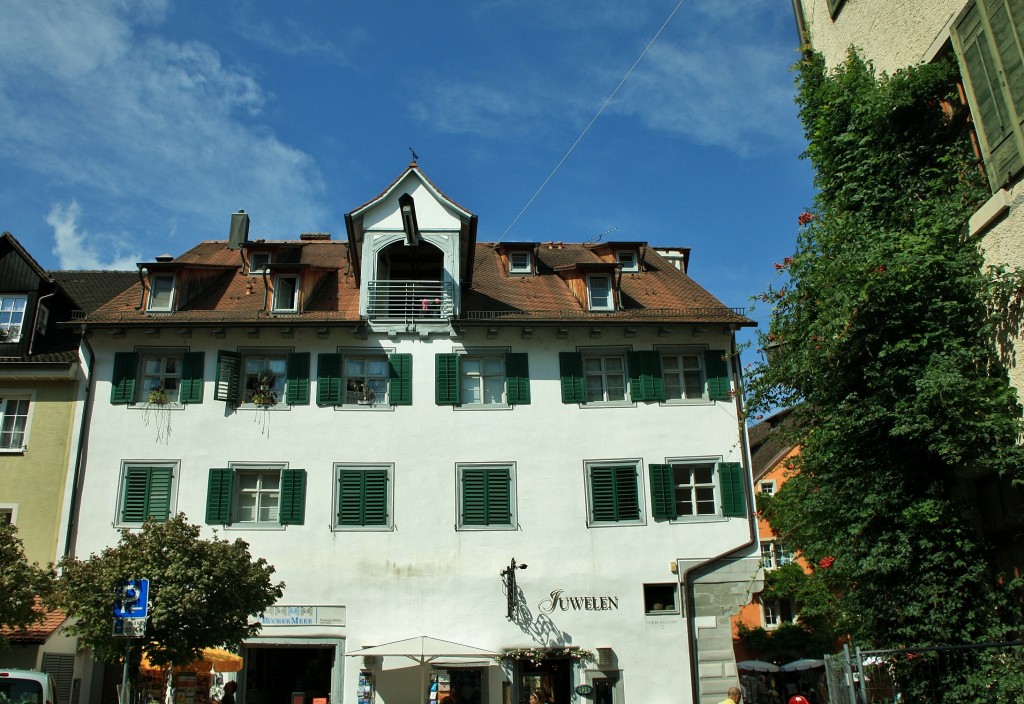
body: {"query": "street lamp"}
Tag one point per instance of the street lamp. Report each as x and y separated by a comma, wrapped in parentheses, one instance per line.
(509, 575)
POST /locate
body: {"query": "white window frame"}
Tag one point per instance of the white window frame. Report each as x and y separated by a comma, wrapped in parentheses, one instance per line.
(339, 467)
(513, 523)
(679, 353)
(714, 484)
(771, 613)
(9, 308)
(766, 487)
(593, 304)
(9, 512)
(367, 356)
(774, 555)
(674, 610)
(641, 519)
(481, 377)
(260, 468)
(152, 305)
(11, 396)
(172, 507)
(143, 387)
(280, 381)
(277, 303)
(255, 268)
(604, 354)
(629, 259)
(525, 267)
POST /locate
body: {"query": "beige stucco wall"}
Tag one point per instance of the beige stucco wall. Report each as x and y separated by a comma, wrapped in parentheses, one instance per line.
(35, 480)
(898, 33)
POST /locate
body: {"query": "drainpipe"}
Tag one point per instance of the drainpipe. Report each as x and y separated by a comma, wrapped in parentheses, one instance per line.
(803, 39)
(80, 455)
(684, 577)
(35, 322)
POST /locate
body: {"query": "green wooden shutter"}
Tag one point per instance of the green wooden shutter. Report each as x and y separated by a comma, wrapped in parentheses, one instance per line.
(446, 367)
(191, 389)
(486, 496)
(362, 497)
(986, 40)
(328, 380)
(292, 510)
(717, 370)
(663, 497)
(613, 494)
(225, 386)
(147, 494)
(400, 379)
(126, 369)
(296, 391)
(218, 496)
(645, 377)
(570, 367)
(517, 378)
(159, 501)
(734, 500)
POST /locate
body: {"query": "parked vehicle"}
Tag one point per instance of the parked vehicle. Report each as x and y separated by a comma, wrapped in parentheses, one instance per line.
(27, 687)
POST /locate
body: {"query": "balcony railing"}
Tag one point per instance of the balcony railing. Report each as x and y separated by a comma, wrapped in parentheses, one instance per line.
(409, 300)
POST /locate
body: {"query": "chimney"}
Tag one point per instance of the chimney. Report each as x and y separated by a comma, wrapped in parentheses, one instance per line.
(314, 236)
(239, 230)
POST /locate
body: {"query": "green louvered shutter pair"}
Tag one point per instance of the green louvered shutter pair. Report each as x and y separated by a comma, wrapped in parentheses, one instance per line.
(613, 494)
(447, 379)
(486, 496)
(362, 497)
(124, 381)
(147, 494)
(330, 379)
(731, 484)
(220, 496)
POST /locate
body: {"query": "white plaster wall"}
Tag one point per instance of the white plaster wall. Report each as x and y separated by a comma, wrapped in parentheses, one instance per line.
(425, 577)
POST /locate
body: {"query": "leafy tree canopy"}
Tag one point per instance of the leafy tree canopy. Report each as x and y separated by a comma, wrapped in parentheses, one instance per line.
(21, 582)
(201, 593)
(883, 340)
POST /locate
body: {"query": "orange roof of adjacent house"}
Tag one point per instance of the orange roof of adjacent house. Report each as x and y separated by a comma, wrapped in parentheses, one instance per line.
(37, 633)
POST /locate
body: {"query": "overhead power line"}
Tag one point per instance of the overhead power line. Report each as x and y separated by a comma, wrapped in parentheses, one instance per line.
(597, 115)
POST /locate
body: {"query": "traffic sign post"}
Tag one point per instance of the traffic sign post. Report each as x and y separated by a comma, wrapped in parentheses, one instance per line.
(131, 607)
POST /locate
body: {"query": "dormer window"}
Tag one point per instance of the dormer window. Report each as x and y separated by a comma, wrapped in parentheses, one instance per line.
(627, 258)
(520, 263)
(258, 262)
(12, 316)
(161, 292)
(599, 292)
(286, 293)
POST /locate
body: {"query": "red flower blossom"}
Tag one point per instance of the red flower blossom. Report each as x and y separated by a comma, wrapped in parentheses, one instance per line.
(826, 562)
(805, 218)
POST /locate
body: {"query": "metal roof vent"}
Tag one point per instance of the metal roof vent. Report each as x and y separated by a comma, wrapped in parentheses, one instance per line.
(164, 258)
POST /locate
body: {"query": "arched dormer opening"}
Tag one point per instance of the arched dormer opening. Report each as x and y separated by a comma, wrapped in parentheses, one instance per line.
(399, 262)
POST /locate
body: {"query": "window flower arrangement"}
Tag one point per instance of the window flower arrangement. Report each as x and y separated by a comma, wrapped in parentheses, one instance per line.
(263, 394)
(156, 412)
(157, 396)
(5, 335)
(538, 655)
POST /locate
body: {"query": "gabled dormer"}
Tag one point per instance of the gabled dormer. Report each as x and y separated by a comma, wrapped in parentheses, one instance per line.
(595, 285)
(412, 252)
(519, 258)
(169, 284)
(628, 255)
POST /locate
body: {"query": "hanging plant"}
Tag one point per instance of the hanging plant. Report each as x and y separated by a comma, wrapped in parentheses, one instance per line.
(264, 394)
(155, 412)
(538, 655)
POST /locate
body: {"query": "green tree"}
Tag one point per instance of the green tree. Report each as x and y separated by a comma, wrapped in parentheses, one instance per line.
(21, 582)
(201, 594)
(883, 339)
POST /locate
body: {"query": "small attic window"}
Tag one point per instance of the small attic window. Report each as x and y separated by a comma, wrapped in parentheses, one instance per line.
(161, 292)
(258, 262)
(520, 262)
(627, 258)
(599, 292)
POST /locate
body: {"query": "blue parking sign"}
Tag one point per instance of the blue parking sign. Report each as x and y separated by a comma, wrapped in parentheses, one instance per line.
(131, 599)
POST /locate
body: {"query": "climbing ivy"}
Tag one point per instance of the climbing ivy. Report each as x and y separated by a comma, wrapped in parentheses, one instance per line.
(883, 339)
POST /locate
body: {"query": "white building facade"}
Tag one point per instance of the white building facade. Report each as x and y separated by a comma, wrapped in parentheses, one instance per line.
(404, 422)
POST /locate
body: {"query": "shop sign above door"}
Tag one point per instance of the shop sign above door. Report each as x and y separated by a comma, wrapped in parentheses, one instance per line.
(303, 616)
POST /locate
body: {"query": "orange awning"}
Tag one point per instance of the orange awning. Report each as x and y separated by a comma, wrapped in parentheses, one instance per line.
(214, 659)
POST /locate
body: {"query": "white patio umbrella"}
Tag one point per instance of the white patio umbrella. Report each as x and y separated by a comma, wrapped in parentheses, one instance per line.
(805, 664)
(757, 666)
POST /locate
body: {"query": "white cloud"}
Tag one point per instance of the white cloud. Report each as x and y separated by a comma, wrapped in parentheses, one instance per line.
(78, 249)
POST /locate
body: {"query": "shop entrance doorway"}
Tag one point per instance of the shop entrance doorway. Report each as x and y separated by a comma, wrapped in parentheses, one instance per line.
(287, 674)
(550, 679)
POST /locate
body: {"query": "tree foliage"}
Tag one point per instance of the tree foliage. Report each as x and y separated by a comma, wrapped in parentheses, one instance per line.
(21, 582)
(201, 593)
(882, 338)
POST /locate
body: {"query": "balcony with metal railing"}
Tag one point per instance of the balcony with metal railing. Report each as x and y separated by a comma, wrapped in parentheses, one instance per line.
(405, 301)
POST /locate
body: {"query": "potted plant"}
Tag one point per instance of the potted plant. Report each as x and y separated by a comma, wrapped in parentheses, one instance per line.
(157, 396)
(263, 394)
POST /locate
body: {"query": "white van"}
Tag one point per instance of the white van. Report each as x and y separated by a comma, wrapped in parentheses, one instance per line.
(27, 687)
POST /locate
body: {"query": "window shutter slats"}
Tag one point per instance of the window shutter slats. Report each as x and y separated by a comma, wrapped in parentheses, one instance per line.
(602, 491)
(362, 497)
(375, 512)
(226, 383)
(292, 510)
(159, 500)
(191, 388)
(517, 378)
(718, 375)
(218, 496)
(645, 376)
(446, 379)
(474, 497)
(734, 503)
(297, 387)
(122, 388)
(136, 488)
(328, 380)
(570, 367)
(400, 379)
(663, 503)
(486, 496)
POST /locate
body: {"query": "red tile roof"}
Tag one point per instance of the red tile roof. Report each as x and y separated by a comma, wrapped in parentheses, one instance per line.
(37, 633)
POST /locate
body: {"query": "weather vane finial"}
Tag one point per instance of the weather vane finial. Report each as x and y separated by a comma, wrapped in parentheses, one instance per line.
(415, 156)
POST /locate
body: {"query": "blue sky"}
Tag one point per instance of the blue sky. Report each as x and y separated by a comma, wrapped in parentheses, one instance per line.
(130, 128)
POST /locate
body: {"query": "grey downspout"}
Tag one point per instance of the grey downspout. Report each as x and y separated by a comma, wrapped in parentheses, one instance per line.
(90, 381)
(35, 322)
(801, 25)
(684, 576)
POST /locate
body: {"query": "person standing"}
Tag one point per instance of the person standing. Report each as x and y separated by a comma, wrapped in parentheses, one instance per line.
(733, 696)
(229, 693)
